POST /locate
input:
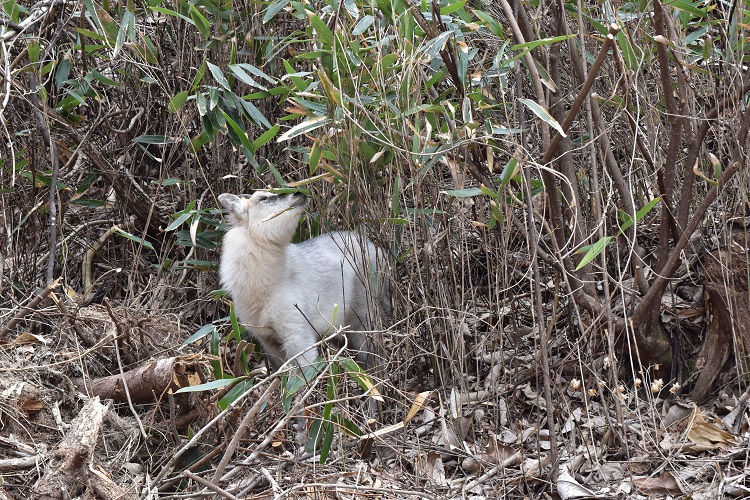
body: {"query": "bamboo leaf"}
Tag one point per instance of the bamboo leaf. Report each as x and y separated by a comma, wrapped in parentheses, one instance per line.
(363, 25)
(127, 20)
(153, 139)
(204, 27)
(202, 332)
(177, 101)
(323, 31)
(489, 21)
(543, 41)
(453, 7)
(170, 12)
(265, 137)
(274, 9)
(238, 71)
(218, 75)
(594, 251)
(304, 127)
(463, 193)
(134, 238)
(542, 113)
(210, 386)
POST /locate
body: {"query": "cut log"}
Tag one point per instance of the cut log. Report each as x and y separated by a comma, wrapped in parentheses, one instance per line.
(147, 383)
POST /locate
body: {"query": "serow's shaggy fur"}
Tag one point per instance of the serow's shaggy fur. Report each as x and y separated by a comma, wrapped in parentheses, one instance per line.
(290, 295)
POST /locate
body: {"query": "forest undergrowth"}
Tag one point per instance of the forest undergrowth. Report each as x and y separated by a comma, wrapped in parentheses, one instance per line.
(561, 188)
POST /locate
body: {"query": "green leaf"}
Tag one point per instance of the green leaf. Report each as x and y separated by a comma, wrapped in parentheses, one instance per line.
(542, 41)
(12, 10)
(426, 108)
(594, 251)
(304, 127)
(153, 139)
(323, 32)
(101, 78)
(33, 51)
(296, 380)
(314, 158)
(177, 101)
(330, 90)
(466, 114)
(170, 12)
(238, 71)
(487, 191)
(463, 193)
(542, 113)
(135, 238)
(202, 332)
(396, 197)
(434, 46)
(325, 446)
(254, 113)
(218, 75)
(491, 23)
(169, 181)
(200, 101)
(451, 8)
(91, 34)
(500, 130)
(210, 386)
(255, 71)
(690, 8)
(204, 27)
(363, 25)
(237, 132)
(185, 215)
(274, 9)
(362, 379)
(314, 435)
(647, 208)
(198, 76)
(235, 392)
(236, 333)
(86, 202)
(497, 213)
(127, 22)
(509, 171)
(265, 137)
(628, 51)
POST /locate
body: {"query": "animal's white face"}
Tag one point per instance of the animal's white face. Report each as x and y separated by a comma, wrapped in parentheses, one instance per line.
(266, 216)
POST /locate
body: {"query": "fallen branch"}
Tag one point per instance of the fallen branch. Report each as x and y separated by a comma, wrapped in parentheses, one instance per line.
(70, 471)
(28, 309)
(147, 383)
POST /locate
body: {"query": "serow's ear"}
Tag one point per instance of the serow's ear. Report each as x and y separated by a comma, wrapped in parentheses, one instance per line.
(233, 203)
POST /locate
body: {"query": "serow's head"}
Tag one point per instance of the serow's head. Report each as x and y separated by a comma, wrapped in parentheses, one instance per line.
(267, 217)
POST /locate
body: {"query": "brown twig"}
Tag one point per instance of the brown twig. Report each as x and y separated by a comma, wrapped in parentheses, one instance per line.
(120, 335)
(696, 144)
(211, 486)
(29, 308)
(240, 432)
(55, 161)
(446, 54)
(658, 286)
(583, 94)
(88, 259)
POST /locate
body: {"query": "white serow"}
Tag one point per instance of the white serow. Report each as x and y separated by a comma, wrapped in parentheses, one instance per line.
(284, 293)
